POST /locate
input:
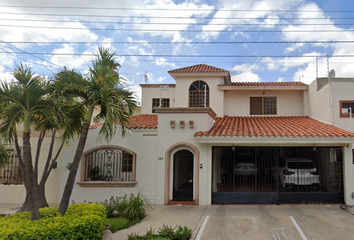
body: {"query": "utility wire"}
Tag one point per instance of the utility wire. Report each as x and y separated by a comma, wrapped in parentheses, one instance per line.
(192, 56)
(179, 23)
(175, 9)
(165, 17)
(175, 30)
(192, 42)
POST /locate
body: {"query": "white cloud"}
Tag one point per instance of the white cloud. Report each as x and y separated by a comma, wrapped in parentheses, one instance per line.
(163, 62)
(246, 67)
(246, 77)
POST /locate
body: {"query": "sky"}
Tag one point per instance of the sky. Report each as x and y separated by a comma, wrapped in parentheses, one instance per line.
(256, 40)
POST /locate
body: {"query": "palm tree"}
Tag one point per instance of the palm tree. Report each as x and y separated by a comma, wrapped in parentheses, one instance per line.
(4, 156)
(25, 102)
(101, 89)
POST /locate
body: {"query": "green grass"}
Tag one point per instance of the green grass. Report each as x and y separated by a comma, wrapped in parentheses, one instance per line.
(120, 223)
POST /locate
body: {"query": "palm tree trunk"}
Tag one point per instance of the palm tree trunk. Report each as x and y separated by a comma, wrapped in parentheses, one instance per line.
(31, 186)
(64, 202)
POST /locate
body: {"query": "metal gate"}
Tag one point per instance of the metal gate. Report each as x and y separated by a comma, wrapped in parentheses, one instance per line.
(277, 175)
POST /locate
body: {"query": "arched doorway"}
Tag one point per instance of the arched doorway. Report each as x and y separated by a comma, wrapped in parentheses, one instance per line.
(183, 176)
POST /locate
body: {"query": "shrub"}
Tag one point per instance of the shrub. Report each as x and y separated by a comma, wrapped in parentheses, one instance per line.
(120, 223)
(81, 221)
(165, 233)
(133, 208)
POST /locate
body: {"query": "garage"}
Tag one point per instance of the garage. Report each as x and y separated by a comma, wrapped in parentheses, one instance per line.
(276, 175)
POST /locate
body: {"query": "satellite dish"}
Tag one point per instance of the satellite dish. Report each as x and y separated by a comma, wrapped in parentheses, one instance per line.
(332, 73)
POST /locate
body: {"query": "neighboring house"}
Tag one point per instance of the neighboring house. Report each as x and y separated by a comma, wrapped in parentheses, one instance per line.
(206, 140)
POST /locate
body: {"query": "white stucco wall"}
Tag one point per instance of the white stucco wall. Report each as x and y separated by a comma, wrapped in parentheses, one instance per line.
(216, 96)
(289, 103)
(146, 166)
(17, 193)
(148, 93)
(342, 89)
(318, 103)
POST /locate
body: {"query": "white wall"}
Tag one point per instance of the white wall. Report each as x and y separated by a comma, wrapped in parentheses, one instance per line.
(17, 193)
(145, 148)
(342, 89)
(216, 96)
(289, 103)
(318, 103)
(148, 93)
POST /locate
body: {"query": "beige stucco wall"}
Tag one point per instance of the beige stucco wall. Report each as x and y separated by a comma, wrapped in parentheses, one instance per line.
(289, 103)
(17, 193)
(146, 165)
(148, 93)
(318, 103)
(342, 89)
(216, 96)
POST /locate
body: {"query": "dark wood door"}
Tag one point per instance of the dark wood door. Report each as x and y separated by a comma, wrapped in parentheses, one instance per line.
(183, 176)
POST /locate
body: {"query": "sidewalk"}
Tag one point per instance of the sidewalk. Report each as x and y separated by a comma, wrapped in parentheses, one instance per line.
(9, 208)
(190, 216)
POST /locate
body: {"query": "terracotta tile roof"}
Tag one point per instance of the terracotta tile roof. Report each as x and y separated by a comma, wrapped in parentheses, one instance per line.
(142, 121)
(200, 68)
(265, 84)
(272, 127)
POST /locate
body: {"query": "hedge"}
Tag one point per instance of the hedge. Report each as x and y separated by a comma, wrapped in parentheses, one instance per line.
(81, 221)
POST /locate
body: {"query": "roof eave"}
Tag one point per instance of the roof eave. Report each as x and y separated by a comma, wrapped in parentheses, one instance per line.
(238, 88)
(201, 74)
(279, 141)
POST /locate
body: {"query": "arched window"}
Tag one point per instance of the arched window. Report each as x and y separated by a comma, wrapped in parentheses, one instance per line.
(199, 94)
(109, 164)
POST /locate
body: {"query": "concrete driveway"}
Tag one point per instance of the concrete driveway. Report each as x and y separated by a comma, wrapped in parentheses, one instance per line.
(251, 222)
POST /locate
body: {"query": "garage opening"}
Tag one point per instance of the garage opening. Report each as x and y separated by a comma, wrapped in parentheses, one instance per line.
(263, 175)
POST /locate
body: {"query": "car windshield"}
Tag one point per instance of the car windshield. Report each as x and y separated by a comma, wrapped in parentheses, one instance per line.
(301, 165)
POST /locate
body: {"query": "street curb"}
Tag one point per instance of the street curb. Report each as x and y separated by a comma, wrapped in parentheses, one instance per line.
(199, 225)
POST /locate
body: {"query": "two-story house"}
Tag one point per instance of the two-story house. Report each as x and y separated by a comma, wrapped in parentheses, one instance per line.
(205, 140)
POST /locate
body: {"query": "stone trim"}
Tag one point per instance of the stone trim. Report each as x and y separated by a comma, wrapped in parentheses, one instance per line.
(106, 184)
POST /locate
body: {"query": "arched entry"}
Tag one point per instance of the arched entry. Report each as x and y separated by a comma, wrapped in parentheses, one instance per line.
(183, 176)
(169, 167)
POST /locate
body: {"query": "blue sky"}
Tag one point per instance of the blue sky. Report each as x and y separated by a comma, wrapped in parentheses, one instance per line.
(151, 37)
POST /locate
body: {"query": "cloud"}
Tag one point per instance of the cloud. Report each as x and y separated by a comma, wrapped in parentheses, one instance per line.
(163, 62)
(246, 67)
(246, 77)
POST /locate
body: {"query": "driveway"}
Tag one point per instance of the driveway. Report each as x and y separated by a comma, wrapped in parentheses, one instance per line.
(251, 222)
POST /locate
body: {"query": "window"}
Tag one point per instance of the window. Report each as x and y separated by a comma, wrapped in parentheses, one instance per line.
(263, 105)
(10, 173)
(165, 102)
(109, 164)
(345, 108)
(199, 94)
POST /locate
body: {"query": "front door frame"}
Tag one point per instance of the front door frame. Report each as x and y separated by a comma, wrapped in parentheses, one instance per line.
(169, 164)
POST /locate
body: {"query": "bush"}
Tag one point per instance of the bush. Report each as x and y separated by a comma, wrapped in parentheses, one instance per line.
(81, 221)
(133, 208)
(120, 223)
(165, 233)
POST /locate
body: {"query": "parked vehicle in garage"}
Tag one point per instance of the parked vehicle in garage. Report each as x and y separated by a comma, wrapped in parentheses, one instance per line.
(246, 169)
(298, 171)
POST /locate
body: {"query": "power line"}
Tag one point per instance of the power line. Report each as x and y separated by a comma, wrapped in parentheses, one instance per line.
(179, 23)
(166, 17)
(167, 43)
(174, 30)
(193, 56)
(175, 9)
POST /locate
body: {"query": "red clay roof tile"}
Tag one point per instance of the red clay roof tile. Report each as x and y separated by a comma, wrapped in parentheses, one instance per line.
(265, 84)
(143, 121)
(200, 68)
(272, 127)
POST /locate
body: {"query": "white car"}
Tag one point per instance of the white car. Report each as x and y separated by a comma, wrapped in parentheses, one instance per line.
(298, 171)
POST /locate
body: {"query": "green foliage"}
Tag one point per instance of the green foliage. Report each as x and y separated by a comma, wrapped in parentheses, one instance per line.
(120, 223)
(133, 208)
(81, 221)
(165, 233)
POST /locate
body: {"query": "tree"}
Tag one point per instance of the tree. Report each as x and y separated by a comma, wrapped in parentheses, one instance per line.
(24, 102)
(101, 89)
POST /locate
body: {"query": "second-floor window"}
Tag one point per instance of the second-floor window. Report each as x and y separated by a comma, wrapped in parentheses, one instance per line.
(199, 94)
(263, 106)
(165, 102)
(346, 108)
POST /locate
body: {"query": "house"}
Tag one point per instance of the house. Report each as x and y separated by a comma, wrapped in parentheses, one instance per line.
(207, 140)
